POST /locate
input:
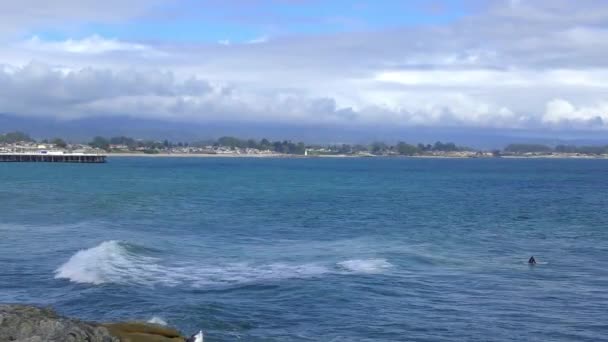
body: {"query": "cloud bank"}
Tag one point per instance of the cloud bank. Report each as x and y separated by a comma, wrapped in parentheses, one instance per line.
(509, 64)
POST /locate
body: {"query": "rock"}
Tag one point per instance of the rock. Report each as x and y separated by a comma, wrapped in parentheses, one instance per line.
(31, 324)
(21, 323)
(143, 332)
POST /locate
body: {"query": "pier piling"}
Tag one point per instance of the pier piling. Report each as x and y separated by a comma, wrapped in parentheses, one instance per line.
(52, 158)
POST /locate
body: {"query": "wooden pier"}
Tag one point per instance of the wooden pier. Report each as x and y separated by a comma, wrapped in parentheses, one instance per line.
(52, 158)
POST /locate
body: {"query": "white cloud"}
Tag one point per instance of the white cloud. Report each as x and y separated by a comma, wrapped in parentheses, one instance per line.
(514, 78)
(530, 66)
(559, 112)
(90, 45)
(258, 40)
(456, 78)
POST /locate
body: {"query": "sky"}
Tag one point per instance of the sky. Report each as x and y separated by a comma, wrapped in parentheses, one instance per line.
(525, 65)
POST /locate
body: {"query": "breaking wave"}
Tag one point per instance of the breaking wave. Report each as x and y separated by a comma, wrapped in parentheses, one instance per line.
(157, 320)
(366, 265)
(123, 263)
(108, 262)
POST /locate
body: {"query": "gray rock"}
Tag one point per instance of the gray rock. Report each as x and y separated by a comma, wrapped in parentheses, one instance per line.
(22, 323)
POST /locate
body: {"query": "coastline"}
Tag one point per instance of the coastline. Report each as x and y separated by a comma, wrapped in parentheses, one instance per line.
(556, 157)
(226, 155)
(196, 155)
(340, 156)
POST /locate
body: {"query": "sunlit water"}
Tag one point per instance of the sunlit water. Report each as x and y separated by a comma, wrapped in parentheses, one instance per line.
(315, 249)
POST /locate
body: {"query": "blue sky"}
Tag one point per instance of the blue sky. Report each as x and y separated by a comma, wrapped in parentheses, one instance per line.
(212, 20)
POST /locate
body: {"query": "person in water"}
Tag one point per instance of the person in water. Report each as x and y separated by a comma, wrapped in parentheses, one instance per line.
(532, 261)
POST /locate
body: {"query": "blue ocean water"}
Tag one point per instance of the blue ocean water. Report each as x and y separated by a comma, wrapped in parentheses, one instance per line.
(315, 249)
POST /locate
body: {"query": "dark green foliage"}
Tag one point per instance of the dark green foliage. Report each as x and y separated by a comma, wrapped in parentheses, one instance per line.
(285, 146)
(231, 142)
(378, 147)
(360, 148)
(151, 145)
(14, 137)
(101, 143)
(424, 148)
(447, 147)
(407, 149)
(122, 140)
(251, 143)
(265, 144)
(148, 146)
(596, 150)
(59, 143)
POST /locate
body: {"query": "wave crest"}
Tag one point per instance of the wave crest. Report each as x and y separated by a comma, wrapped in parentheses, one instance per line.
(123, 263)
(107, 262)
(366, 265)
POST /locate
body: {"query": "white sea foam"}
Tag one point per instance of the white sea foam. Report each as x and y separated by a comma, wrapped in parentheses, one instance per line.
(157, 320)
(110, 261)
(366, 265)
(121, 263)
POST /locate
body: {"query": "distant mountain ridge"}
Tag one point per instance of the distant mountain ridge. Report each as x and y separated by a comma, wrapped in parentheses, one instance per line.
(83, 129)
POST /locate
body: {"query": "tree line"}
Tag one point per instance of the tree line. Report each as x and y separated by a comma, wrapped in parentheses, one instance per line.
(14, 137)
(279, 146)
(539, 148)
(401, 148)
(289, 147)
(20, 137)
(285, 146)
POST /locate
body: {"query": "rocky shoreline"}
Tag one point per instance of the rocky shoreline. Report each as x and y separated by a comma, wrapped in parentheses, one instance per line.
(25, 323)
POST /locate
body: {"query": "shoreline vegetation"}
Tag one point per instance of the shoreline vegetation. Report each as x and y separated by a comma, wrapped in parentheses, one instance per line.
(121, 146)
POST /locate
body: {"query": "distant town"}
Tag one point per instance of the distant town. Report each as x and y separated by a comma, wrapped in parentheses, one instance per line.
(19, 142)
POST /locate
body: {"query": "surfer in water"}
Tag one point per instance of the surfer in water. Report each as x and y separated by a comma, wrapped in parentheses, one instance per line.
(532, 261)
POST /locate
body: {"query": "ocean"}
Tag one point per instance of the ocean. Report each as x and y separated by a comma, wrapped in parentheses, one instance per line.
(256, 249)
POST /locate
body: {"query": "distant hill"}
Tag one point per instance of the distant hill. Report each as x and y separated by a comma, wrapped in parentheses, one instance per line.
(81, 130)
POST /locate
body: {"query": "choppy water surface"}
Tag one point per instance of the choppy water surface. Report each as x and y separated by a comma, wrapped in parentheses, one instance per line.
(315, 249)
